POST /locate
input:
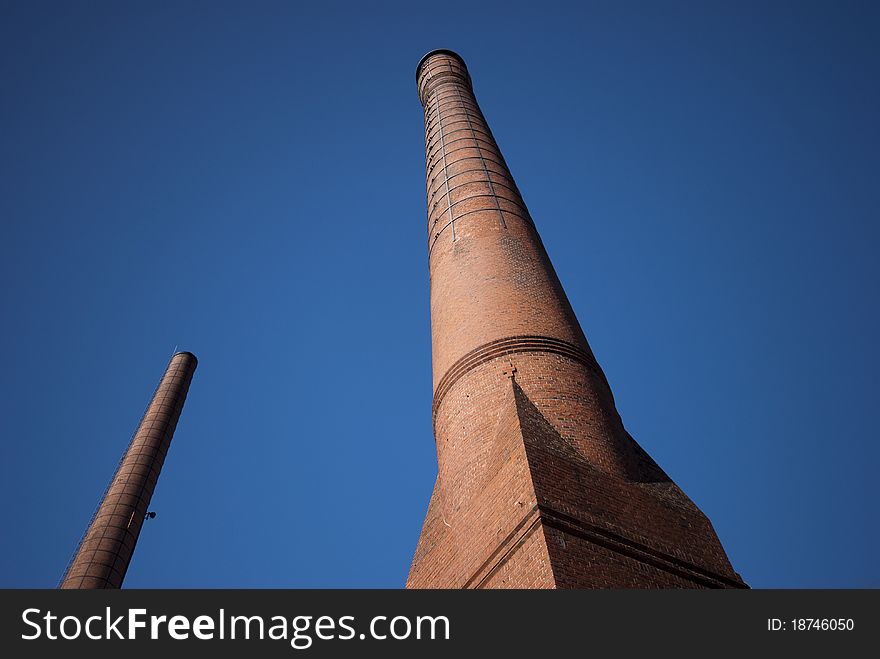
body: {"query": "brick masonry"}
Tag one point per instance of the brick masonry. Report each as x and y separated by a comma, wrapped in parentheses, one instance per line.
(539, 484)
(103, 556)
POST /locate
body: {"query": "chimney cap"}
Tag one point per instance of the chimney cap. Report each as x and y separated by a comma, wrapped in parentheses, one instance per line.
(438, 51)
(185, 352)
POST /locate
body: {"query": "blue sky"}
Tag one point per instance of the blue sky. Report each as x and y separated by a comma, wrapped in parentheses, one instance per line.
(246, 181)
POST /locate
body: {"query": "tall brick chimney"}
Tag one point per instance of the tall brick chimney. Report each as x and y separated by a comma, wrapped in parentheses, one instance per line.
(539, 485)
(104, 553)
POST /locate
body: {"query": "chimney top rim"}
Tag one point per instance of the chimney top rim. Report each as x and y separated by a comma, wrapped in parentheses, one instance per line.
(437, 51)
(185, 352)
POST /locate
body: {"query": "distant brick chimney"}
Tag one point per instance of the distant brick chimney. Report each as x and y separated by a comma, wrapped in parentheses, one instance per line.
(103, 556)
(539, 485)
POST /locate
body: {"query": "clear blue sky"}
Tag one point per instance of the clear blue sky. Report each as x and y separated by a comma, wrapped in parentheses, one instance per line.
(246, 181)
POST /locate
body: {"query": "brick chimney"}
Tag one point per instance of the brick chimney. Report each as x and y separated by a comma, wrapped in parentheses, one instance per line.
(104, 553)
(539, 485)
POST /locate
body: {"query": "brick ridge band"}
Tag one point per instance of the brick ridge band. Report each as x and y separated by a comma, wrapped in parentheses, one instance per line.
(508, 346)
(634, 549)
(540, 513)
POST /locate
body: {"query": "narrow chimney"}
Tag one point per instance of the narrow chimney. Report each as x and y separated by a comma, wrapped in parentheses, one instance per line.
(105, 551)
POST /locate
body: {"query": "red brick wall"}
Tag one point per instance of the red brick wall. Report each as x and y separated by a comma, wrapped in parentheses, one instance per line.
(539, 484)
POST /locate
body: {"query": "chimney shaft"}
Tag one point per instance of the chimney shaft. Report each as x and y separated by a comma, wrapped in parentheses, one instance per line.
(103, 556)
(524, 420)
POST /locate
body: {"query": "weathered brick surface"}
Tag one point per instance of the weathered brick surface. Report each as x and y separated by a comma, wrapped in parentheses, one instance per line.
(539, 484)
(103, 556)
